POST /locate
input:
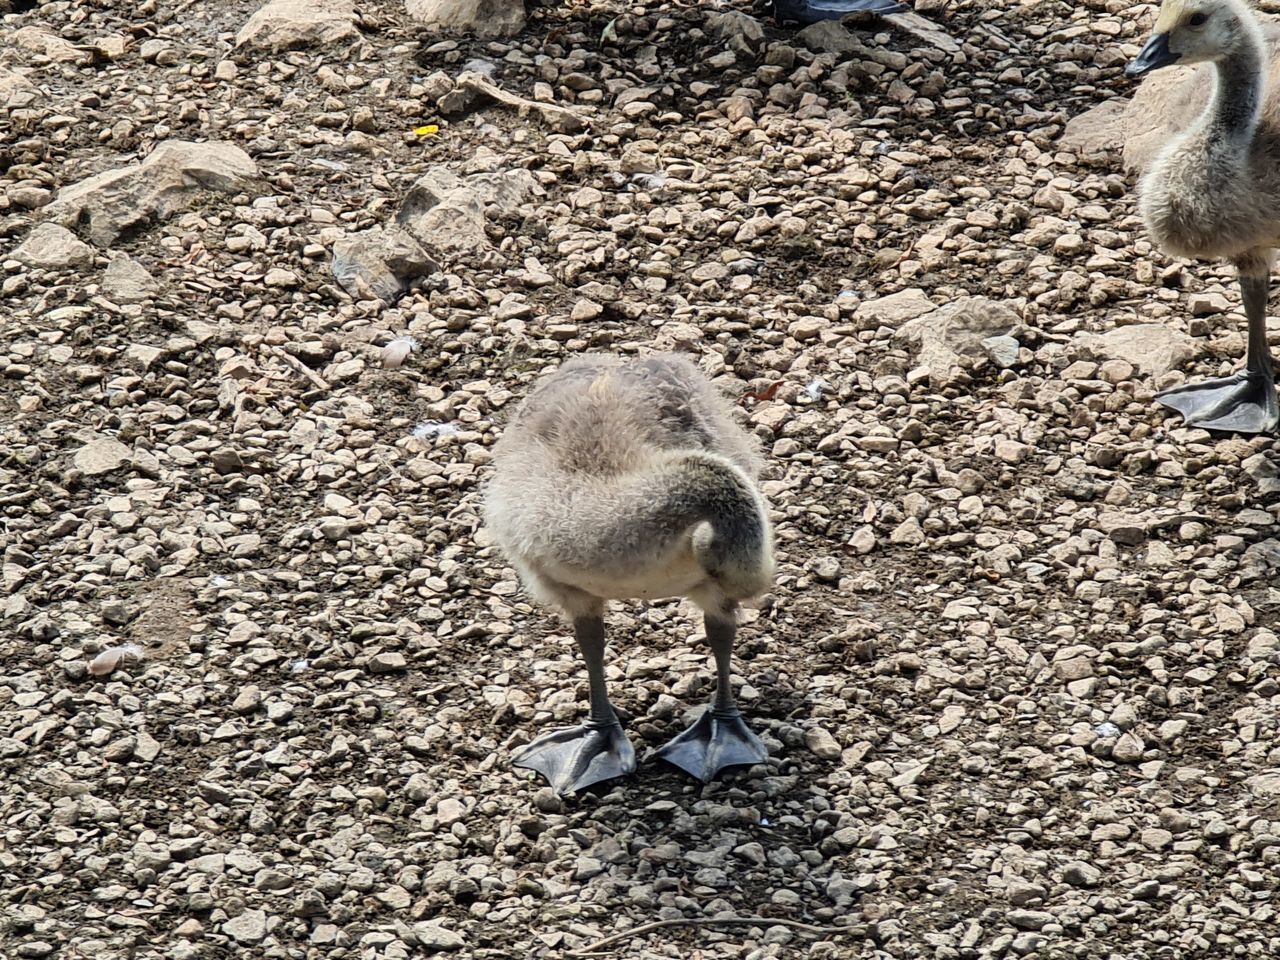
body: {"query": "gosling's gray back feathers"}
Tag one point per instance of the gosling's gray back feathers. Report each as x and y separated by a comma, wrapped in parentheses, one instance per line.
(629, 478)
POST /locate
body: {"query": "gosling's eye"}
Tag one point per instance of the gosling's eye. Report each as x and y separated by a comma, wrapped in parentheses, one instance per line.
(1198, 19)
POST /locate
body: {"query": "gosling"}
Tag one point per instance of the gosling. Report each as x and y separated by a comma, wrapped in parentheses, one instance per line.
(624, 479)
(1214, 191)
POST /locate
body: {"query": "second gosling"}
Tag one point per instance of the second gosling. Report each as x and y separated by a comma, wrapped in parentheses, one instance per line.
(624, 479)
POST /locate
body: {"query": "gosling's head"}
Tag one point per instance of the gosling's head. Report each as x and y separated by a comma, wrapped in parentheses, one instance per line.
(1194, 31)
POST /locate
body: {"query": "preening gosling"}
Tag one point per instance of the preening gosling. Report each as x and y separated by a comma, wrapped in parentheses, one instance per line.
(623, 479)
(1214, 191)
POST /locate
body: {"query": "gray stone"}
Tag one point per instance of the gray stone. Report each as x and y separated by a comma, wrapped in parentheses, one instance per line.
(45, 44)
(483, 18)
(16, 90)
(822, 744)
(1263, 644)
(102, 455)
(1029, 919)
(829, 36)
(450, 810)
(1207, 304)
(897, 308)
(1002, 351)
(419, 788)
(1025, 944)
(1129, 748)
(28, 197)
(739, 31)
(214, 864)
(1021, 893)
(249, 927)
(1153, 348)
(1096, 131)
(171, 177)
(587, 868)
(387, 663)
(950, 340)
(281, 24)
(447, 214)
(1265, 786)
(127, 281)
(380, 263)
(923, 29)
(144, 354)
(432, 935)
(53, 247)
(1081, 874)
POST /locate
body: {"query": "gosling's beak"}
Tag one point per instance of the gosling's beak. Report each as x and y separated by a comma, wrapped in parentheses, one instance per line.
(1154, 55)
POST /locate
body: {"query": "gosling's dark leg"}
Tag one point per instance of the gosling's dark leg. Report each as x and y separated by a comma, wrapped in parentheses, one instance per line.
(1244, 402)
(720, 738)
(577, 757)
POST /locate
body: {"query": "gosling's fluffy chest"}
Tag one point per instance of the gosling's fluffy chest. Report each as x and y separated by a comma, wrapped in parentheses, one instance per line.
(1200, 201)
(674, 573)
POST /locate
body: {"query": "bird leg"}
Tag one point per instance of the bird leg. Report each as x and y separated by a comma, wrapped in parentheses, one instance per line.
(720, 737)
(1244, 402)
(576, 757)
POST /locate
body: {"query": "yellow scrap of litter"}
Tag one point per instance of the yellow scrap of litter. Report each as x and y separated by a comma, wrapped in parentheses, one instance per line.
(429, 130)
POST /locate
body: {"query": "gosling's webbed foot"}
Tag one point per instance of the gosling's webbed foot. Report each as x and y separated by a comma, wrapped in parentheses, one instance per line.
(717, 740)
(811, 11)
(574, 758)
(1242, 403)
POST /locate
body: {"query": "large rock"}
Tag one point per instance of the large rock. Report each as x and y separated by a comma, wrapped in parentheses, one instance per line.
(1097, 131)
(829, 36)
(503, 191)
(1265, 786)
(949, 341)
(120, 201)
(53, 247)
(450, 224)
(16, 90)
(441, 220)
(127, 281)
(102, 455)
(433, 937)
(740, 32)
(895, 309)
(1153, 348)
(250, 927)
(483, 18)
(44, 44)
(282, 24)
(380, 263)
(1166, 103)
(446, 214)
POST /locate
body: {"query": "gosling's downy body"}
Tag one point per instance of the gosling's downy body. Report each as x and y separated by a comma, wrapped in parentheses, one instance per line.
(632, 479)
(1214, 191)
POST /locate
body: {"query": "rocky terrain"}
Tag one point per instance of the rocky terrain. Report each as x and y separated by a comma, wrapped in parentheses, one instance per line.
(271, 283)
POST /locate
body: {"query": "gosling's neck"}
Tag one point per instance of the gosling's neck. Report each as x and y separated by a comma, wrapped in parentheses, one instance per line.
(1232, 115)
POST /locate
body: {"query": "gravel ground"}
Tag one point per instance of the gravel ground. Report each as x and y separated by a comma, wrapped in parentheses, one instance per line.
(1016, 675)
